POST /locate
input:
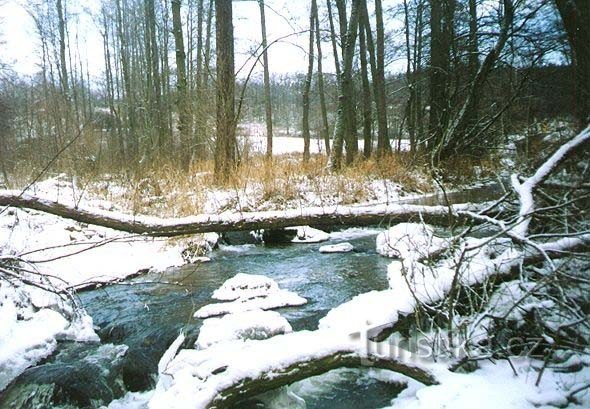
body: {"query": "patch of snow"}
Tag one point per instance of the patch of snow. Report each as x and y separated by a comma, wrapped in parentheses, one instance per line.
(409, 240)
(254, 324)
(337, 248)
(29, 333)
(131, 400)
(354, 233)
(494, 385)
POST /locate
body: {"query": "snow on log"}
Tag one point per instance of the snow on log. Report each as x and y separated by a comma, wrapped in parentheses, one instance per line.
(329, 215)
(224, 374)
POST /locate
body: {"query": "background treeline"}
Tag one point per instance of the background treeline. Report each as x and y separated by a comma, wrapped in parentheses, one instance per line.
(471, 71)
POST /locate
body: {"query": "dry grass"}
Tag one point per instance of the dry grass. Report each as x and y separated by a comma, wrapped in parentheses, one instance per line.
(163, 188)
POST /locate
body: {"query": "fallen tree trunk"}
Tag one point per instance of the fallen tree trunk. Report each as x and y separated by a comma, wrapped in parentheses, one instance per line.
(249, 387)
(224, 374)
(328, 216)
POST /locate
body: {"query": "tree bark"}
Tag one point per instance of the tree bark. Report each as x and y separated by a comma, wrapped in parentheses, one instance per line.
(225, 145)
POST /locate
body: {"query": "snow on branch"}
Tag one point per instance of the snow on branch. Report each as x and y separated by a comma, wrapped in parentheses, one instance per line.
(525, 190)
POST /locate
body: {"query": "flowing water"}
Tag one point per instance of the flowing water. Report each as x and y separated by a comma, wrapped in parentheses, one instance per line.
(146, 315)
(139, 319)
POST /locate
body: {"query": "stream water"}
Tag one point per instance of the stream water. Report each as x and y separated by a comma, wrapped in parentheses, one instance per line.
(139, 319)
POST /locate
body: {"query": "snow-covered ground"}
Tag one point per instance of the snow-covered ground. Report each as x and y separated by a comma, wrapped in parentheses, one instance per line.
(73, 255)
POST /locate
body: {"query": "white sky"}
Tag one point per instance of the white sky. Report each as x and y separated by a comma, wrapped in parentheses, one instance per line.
(21, 46)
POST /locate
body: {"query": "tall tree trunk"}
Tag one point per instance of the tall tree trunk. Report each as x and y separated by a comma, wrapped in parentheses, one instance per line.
(201, 79)
(182, 102)
(325, 130)
(366, 27)
(411, 81)
(225, 144)
(441, 38)
(383, 145)
(575, 15)
(63, 67)
(267, 95)
(157, 109)
(307, 85)
(472, 113)
(132, 141)
(344, 126)
(366, 96)
(333, 38)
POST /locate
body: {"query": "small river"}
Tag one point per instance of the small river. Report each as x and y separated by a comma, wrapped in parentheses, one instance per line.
(139, 319)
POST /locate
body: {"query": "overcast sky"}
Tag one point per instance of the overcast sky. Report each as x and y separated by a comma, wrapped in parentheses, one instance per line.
(284, 18)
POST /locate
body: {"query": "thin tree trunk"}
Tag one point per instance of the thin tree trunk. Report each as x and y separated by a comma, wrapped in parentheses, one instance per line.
(132, 142)
(383, 145)
(333, 38)
(154, 68)
(441, 38)
(366, 96)
(182, 103)
(267, 95)
(307, 85)
(63, 68)
(325, 130)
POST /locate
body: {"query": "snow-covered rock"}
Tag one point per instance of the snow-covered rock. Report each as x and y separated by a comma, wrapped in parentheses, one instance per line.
(409, 240)
(337, 248)
(245, 286)
(306, 234)
(254, 324)
(246, 292)
(277, 299)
